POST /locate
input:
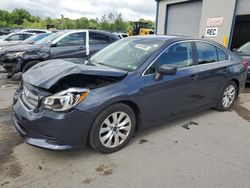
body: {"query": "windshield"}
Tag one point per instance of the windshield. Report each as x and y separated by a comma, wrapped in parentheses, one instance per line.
(50, 38)
(37, 38)
(128, 54)
(6, 36)
(245, 48)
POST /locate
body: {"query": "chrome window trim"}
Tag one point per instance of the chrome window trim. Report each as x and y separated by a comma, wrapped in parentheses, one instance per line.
(192, 66)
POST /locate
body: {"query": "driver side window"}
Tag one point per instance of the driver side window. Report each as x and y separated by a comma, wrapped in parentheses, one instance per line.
(74, 39)
(179, 55)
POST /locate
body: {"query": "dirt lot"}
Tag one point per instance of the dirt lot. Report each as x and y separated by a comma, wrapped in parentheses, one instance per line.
(211, 152)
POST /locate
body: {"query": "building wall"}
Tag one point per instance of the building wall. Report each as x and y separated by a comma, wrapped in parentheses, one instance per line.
(218, 8)
(210, 9)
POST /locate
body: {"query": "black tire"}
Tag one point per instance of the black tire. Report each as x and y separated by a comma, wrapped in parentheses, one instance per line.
(29, 64)
(95, 140)
(220, 106)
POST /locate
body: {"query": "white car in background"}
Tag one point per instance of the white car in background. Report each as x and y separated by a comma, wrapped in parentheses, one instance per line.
(13, 37)
(36, 31)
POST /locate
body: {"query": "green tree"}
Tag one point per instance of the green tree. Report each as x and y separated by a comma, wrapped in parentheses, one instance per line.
(18, 15)
(22, 18)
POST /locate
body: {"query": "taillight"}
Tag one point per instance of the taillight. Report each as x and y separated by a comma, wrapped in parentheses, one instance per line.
(245, 64)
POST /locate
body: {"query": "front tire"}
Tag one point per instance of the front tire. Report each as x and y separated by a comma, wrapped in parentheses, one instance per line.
(227, 97)
(113, 128)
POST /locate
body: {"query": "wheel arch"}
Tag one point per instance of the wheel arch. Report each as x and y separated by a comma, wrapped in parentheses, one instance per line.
(237, 84)
(22, 65)
(136, 110)
(129, 103)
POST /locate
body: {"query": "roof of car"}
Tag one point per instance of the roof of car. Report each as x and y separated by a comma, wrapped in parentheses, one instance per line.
(91, 30)
(176, 38)
(167, 37)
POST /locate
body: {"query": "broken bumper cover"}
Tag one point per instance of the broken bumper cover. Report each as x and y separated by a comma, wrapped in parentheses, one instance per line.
(51, 130)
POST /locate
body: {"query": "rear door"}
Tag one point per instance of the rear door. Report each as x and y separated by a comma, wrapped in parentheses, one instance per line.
(172, 94)
(72, 45)
(213, 65)
(97, 41)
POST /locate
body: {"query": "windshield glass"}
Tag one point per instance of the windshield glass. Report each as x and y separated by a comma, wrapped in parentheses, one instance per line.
(245, 48)
(50, 38)
(128, 54)
(37, 38)
(3, 37)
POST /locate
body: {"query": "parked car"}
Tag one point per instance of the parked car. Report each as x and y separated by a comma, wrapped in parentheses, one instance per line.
(244, 52)
(63, 44)
(122, 35)
(36, 31)
(15, 37)
(5, 31)
(134, 83)
(30, 40)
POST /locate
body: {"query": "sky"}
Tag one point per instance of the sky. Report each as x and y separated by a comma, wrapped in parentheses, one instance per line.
(130, 9)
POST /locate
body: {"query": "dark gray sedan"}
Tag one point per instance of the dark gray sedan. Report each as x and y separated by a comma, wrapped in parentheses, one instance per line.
(134, 83)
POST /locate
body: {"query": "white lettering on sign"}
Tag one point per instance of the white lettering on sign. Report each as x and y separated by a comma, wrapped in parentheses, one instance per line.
(211, 31)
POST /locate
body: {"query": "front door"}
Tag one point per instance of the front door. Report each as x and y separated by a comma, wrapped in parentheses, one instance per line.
(71, 46)
(172, 94)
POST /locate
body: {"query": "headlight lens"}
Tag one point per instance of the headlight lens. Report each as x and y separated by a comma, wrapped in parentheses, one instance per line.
(66, 99)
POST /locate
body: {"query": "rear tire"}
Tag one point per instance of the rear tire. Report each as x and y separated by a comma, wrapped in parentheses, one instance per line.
(29, 64)
(113, 128)
(227, 97)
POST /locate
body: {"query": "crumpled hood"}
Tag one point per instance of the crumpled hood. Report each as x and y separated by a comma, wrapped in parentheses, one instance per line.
(47, 73)
(31, 51)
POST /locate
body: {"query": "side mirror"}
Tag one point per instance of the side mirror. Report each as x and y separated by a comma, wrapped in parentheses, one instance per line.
(165, 70)
(53, 45)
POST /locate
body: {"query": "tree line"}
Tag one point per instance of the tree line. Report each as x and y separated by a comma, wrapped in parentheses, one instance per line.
(22, 18)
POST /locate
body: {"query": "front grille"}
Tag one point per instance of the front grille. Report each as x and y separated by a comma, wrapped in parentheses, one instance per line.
(29, 99)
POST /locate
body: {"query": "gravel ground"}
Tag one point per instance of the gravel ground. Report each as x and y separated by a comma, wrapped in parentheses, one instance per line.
(213, 151)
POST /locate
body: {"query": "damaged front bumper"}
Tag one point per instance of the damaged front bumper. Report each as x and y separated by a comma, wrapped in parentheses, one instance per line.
(51, 130)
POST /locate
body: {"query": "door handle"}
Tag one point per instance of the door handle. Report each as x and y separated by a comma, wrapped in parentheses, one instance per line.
(193, 77)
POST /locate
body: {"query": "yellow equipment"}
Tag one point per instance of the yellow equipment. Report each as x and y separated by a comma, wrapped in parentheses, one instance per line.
(140, 28)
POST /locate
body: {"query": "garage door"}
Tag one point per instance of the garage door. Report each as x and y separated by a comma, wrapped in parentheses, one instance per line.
(183, 18)
(243, 7)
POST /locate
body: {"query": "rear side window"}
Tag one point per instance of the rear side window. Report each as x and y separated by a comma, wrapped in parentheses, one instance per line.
(96, 38)
(206, 53)
(222, 56)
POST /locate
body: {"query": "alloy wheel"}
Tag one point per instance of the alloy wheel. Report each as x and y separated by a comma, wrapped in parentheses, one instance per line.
(115, 129)
(228, 96)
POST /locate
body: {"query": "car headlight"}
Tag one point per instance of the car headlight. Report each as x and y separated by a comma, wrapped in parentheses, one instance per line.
(66, 99)
(12, 55)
